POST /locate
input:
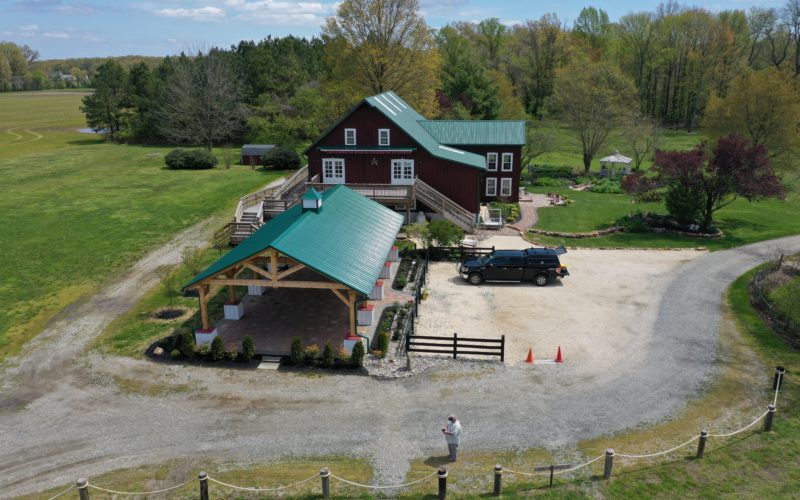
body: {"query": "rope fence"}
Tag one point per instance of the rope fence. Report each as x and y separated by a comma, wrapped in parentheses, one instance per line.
(325, 474)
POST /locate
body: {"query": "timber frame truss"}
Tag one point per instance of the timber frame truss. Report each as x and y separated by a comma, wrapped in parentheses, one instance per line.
(229, 277)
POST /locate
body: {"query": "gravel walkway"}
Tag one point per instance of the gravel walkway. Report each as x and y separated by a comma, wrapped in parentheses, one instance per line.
(76, 422)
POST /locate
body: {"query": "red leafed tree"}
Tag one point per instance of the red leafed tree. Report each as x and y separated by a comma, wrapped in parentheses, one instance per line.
(735, 168)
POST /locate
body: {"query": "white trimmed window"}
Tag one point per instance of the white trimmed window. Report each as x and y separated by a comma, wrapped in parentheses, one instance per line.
(383, 136)
(491, 186)
(505, 187)
(349, 137)
(508, 162)
(491, 162)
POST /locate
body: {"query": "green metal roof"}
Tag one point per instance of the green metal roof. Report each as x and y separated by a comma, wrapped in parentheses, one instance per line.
(476, 132)
(347, 240)
(312, 194)
(405, 117)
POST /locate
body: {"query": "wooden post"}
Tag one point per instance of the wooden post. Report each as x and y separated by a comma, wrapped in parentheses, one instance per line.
(502, 348)
(609, 464)
(325, 476)
(768, 420)
(351, 294)
(778, 380)
(204, 307)
(203, 477)
(83, 488)
(498, 480)
(455, 345)
(701, 445)
(442, 483)
(273, 261)
(552, 469)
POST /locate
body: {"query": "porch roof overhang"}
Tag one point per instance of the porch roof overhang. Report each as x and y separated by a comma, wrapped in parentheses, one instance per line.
(360, 150)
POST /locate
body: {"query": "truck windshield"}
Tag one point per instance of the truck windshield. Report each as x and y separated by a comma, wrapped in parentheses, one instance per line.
(485, 259)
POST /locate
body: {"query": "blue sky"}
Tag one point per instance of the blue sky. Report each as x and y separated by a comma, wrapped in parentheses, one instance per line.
(90, 28)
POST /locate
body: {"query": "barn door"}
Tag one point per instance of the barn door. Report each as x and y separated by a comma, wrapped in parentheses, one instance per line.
(333, 171)
(402, 171)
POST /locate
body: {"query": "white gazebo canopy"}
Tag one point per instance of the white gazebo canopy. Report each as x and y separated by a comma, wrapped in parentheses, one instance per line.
(615, 159)
(618, 161)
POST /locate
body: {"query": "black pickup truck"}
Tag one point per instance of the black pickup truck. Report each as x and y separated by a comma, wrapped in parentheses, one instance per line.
(540, 265)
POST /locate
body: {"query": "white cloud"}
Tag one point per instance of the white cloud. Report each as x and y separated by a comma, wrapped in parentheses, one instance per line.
(172, 40)
(195, 14)
(29, 28)
(282, 12)
(56, 34)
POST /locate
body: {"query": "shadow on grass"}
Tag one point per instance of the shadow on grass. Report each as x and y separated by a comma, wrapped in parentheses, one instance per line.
(438, 461)
(86, 142)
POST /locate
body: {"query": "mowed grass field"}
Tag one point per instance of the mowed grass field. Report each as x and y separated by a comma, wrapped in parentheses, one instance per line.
(75, 211)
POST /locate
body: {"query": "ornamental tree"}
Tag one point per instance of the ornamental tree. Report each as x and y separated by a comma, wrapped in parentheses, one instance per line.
(735, 168)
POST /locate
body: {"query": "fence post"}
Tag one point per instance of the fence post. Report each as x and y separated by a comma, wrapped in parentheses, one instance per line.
(442, 483)
(502, 348)
(498, 480)
(455, 345)
(325, 475)
(609, 464)
(83, 488)
(778, 380)
(203, 477)
(701, 445)
(768, 420)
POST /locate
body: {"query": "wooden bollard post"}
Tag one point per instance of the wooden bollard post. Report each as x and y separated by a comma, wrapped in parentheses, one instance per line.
(203, 477)
(325, 476)
(701, 445)
(498, 480)
(609, 464)
(768, 420)
(83, 488)
(442, 483)
(778, 380)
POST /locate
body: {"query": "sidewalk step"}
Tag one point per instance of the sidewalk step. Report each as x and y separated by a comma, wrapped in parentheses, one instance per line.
(269, 363)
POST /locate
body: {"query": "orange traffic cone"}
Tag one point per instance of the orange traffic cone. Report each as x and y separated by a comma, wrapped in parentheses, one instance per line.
(559, 358)
(530, 356)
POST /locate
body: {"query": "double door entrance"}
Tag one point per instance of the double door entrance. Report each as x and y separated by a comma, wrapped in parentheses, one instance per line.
(333, 171)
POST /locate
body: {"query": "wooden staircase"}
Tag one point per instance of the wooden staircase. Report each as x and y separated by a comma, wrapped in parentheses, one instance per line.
(444, 206)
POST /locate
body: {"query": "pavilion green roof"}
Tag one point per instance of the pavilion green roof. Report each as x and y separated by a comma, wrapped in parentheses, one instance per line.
(347, 239)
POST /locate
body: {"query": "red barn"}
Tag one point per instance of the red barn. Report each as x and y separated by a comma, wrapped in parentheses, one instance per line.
(450, 166)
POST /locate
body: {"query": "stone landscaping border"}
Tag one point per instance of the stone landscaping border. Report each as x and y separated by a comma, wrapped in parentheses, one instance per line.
(620, 229)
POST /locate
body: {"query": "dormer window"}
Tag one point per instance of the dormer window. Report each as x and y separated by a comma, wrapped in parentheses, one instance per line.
(349, 137)
(383, 137)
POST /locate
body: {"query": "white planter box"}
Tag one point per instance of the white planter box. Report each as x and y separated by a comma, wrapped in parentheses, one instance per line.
(366, 315)
(255, 290)
(386, 271)
(349, 342)
(394, 255)
(204, 337)
(234, 311)
(377, 291)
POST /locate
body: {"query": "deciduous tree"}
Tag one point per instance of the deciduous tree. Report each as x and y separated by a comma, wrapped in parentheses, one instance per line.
(594, 99)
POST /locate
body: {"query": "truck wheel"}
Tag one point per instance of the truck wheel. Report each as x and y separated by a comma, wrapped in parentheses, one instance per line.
(540, 280)
(475, 279)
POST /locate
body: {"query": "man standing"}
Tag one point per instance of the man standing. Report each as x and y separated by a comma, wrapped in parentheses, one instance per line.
(452, 434)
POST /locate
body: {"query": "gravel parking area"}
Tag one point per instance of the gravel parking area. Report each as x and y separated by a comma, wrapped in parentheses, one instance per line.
(662, 332)
(601, 315)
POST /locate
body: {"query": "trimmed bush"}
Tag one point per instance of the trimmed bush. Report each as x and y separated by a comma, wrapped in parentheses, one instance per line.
(186, 345)
(328, 355)
(686, 205)
(194, 159)
(175, 354)
(296, 352)
(281, 158)
(357, 357)
(217, 352)
(382, 343)
(248, 348)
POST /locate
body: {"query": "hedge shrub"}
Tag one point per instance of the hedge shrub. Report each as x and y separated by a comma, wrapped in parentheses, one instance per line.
(248, 348)
(357, 357)
(281, 158)
(193, 159)
(217, 349)
(328, 355)
(382, 344)
(297, 353)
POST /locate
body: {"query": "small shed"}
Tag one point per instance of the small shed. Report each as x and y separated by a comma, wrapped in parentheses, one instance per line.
(253, 154)
(615, 164)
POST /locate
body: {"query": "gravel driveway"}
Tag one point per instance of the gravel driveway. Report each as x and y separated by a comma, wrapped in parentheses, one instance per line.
(63, 419)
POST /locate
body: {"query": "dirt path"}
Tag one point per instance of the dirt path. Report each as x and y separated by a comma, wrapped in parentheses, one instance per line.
(63, 415)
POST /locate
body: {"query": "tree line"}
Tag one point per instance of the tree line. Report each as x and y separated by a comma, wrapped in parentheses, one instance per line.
(677, 66)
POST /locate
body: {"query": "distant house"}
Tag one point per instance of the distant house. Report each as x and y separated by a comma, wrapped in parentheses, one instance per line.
(383, 140)
(253, 154)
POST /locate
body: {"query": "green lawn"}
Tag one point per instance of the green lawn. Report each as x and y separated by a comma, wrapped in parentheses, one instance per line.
(565, 149)
(76, 211)
(742, 222)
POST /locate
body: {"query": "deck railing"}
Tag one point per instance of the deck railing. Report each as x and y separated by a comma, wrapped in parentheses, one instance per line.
(395, 194)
